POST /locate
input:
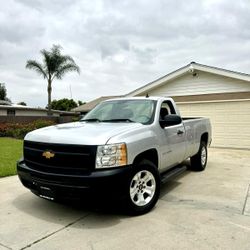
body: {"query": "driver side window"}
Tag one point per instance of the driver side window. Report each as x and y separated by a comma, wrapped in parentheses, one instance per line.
(165, 110)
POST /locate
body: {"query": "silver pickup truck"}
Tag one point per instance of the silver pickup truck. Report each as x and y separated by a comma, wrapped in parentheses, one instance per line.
(124, 147)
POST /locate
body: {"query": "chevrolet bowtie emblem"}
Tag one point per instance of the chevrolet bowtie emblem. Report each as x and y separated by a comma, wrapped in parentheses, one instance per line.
(48, 154)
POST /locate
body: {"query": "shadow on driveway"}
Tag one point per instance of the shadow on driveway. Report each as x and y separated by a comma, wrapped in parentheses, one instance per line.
(61, 213)
(58, 213)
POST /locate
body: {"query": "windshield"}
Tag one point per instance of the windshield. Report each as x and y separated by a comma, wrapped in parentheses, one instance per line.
(141, 111)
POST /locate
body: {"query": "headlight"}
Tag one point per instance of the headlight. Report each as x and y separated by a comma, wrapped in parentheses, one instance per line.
(113, 155)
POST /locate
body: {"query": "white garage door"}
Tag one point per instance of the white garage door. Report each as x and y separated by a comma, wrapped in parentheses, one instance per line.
(230, 121)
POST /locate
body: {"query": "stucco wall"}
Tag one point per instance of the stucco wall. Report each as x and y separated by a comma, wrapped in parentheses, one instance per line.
(20, 112)
(3, 112)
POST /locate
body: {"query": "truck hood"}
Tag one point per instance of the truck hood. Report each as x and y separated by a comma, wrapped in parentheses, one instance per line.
(80, 133)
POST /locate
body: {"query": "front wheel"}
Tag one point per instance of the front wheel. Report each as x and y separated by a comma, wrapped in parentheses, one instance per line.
(199, 161)
(143, 189)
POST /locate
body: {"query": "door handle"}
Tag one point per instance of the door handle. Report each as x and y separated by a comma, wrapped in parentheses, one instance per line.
(180, 132)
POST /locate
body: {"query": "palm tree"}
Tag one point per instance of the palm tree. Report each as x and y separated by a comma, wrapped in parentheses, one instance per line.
(55, 65)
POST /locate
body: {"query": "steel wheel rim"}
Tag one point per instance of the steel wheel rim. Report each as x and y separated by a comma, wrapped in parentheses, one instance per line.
(203, 156)
(142, 188)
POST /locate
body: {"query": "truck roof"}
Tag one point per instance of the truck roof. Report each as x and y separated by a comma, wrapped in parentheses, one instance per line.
(155, 98)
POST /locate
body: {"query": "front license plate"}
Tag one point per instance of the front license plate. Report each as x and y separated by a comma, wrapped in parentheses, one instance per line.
(47, 193)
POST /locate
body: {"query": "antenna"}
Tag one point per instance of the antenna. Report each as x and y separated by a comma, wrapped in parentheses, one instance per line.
(70, 91)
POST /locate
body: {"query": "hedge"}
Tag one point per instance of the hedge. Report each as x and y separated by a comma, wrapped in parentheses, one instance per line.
(19, 131)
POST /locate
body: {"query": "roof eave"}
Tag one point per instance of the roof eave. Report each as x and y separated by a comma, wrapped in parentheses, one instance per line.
(223, 72)
(158, 82)
(179, 72)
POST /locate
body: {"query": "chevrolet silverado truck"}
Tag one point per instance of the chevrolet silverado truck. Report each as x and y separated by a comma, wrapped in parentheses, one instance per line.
(124, 147)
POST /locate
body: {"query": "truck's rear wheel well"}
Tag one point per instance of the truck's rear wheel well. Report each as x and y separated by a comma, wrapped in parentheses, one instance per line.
(204, 138)
(150, 155)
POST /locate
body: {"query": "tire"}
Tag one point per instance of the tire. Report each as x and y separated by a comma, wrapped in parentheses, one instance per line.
(143, 188)
(199, 161)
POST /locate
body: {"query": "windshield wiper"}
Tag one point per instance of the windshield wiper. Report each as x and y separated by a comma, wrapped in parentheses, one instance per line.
(91, 120)
(108, 120)
(118, 120)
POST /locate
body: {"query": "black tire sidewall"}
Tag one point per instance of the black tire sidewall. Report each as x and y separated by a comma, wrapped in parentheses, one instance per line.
(133, 208)
(203, 145)
(196, 163)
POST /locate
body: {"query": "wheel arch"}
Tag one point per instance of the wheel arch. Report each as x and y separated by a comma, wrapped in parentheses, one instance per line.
(204, 138)
(150, 154)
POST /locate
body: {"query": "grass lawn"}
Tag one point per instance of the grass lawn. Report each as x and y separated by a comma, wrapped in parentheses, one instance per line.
(10, 151)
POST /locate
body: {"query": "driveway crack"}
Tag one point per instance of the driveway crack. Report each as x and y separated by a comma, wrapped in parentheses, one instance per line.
(245, 202)
(57, 231)
(5, 246)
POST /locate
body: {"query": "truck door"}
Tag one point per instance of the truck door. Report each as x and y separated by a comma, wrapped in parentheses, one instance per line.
(173, 139)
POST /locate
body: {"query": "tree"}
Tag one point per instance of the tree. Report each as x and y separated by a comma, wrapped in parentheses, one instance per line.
(22, 103)
(3, 92)
(55, 65)
(80, 103)
(63, 104)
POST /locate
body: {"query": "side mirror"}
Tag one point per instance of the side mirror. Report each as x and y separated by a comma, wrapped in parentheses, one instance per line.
(170, 120)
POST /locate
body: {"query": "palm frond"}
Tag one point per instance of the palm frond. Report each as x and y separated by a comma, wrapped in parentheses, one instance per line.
(46, 60)
(67, 58)
(56, 49)
(53, 59)
(55, 65)
(32, 64)
(63, 69)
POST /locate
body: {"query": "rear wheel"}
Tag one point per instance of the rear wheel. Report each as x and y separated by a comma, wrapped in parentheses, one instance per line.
(143, 188)
(199, 161)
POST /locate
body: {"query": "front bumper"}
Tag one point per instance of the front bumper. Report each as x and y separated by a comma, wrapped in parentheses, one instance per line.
(109, 182)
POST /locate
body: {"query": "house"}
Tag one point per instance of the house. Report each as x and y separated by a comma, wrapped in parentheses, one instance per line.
(4, 102)
(85, 108)
(220, 94)
(18, 113)
(19, 110)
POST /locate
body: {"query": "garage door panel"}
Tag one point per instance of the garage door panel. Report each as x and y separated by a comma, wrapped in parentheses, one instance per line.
(230, 121)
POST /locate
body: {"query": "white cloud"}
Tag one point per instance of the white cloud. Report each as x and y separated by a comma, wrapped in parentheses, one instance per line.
(119, 45)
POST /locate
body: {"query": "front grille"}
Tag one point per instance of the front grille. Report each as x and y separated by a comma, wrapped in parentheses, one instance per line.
(68, 159)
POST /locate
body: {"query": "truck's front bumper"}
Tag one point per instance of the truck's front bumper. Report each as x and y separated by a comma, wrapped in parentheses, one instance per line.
(109, 183)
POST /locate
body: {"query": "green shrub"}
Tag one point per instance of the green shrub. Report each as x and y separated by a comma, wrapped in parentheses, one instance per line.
(19, 131)
(42, 123)
(76, 119)
(3, 128)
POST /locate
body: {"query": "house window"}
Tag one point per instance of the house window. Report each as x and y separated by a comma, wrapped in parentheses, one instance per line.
(11, 112)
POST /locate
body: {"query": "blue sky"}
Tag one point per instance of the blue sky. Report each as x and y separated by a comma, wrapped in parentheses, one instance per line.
(119, 45)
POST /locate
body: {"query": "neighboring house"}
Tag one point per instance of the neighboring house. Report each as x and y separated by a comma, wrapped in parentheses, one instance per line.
(200, 90)
(85, 108)
(19, 110)
(3, 102)
(22, 114)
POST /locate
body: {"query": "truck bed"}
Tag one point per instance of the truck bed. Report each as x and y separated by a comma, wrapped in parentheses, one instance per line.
(195, 127)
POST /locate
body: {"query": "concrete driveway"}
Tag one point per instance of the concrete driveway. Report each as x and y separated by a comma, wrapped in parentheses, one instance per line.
(207, 210)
